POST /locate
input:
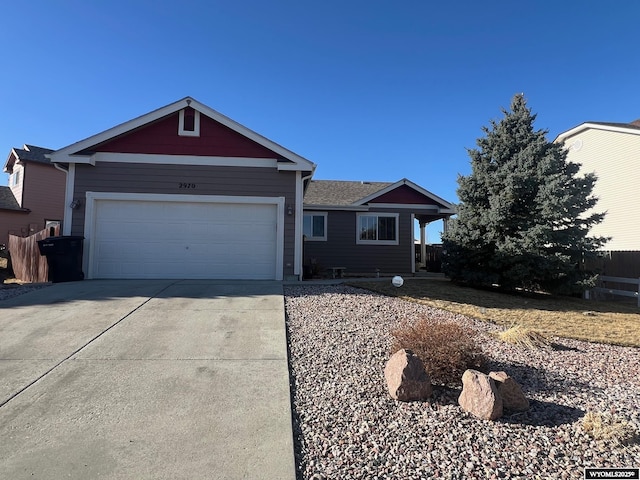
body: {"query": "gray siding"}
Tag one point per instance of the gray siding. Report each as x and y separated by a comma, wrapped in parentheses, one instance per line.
(166, 179)
(341, 250)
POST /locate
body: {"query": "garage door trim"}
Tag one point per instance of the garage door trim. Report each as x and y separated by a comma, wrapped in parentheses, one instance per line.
(91, 219)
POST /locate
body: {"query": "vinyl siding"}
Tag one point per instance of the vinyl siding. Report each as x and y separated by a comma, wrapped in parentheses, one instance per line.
(615, 158)
(41, 189)
(43, 193)
(166, 179)
(341, 250)
(18, 188)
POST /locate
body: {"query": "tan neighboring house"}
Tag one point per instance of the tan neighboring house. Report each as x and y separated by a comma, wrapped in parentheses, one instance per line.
(612, 152)
(34, 198)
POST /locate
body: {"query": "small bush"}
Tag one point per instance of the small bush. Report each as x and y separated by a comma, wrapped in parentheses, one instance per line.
(525, 337)
(604, 426)
(446, 349)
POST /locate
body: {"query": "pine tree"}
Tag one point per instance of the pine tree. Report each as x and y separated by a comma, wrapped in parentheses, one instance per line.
(524, 215)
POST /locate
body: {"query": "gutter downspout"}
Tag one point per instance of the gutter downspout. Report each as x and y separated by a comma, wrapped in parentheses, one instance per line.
(68, 196)
(299, 248)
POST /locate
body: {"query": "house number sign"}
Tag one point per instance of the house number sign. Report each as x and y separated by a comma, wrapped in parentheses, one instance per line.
(186, 185)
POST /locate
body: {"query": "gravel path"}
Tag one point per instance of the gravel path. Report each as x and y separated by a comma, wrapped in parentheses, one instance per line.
(347, 426)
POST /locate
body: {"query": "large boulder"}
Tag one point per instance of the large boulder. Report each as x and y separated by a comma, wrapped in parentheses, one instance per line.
(406, 377)
(480, 396)
(513, 398)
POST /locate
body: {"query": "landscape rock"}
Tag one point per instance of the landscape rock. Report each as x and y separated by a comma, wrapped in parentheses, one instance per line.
(513, 398)
(406, 377)
(480, 396)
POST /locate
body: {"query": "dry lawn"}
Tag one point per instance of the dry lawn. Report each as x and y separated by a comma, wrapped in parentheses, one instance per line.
(611, 322)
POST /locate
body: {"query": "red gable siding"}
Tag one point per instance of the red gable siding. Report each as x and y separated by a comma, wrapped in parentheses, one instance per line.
(161, 137)
(404, 195)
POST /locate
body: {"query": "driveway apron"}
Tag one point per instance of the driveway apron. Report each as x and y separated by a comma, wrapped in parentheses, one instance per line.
(145, 380)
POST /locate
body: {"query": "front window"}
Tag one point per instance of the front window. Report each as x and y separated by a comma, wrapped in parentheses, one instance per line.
(314, 226)
(377, 229)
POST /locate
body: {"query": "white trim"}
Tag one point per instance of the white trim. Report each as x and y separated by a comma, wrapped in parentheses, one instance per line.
(413, 245)
(108, 157)
(69, 188)
(290, 167)
(93, 197)
(412, 206)
(410, 184)
(347, 208)
(67, 154)
(196, 125)
(378, 242)
(297, 230)
(326, 224)
(586, 126)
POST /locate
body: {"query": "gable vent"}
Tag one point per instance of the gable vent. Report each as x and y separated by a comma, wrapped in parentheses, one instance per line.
(189, 123)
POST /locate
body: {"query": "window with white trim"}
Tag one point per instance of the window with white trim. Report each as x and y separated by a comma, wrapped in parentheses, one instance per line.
(189, 123)
(14, 179)
(314, 226)
(377, 228)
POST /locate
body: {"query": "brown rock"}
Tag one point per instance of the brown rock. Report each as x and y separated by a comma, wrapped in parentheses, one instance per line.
(512, 396)
(406, 378)
(480, 396)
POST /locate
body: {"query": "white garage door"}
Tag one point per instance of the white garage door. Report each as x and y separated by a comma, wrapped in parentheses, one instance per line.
(164, 239)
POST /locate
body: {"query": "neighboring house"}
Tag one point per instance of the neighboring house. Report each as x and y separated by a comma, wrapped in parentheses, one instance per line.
(367, 227)
(34, 198)
(185, 192)
(612, 152)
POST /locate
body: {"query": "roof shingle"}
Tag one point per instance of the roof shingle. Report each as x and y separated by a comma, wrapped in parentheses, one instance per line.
(8, 201)
(340, 192)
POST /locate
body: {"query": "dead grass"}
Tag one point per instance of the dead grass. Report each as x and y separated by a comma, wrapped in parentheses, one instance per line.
(525, 337)
(604, 426)
(616, 323)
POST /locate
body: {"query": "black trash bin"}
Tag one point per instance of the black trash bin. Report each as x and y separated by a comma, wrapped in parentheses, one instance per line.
(64, 258)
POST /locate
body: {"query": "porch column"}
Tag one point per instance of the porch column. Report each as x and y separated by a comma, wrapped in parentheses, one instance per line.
(445, 223)
(423, 243)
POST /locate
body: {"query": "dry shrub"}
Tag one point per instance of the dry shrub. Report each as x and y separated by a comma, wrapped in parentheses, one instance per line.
(525, 337)
(604, 426)
(446, 349)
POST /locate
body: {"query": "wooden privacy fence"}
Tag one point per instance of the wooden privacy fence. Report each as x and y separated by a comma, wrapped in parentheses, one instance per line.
(28, 264)
(616, 264)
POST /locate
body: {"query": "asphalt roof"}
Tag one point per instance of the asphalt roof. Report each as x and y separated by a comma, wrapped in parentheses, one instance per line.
(31, 153)
(340, 192)
(7, 200)
(614, 124)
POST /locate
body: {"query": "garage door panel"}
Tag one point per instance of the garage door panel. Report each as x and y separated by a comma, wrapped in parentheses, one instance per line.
(158, 239)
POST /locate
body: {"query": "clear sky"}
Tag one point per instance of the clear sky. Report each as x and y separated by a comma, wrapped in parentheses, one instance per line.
(368, 90)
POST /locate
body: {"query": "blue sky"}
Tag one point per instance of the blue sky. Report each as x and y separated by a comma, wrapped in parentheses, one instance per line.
(368, 90)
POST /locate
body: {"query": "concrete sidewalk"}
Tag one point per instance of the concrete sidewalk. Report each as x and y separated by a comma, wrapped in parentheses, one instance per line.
(145, 380)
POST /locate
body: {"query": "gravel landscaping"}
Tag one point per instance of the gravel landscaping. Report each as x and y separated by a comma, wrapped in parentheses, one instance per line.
(347, 426)
(10, 290)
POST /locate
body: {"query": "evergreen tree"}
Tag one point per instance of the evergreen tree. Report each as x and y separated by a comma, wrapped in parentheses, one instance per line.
(524, 215)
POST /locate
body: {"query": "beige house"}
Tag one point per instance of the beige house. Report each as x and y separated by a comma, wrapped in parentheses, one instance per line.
(612, 152)
(34, 198)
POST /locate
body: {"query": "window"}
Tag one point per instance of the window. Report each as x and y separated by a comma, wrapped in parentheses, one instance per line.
(377, 229)
(314, 226)
(14, 179)
(189, 123)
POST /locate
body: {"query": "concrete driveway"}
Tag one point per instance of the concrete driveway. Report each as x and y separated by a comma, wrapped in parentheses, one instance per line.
(145, 380)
